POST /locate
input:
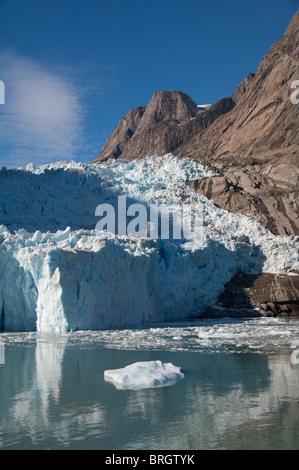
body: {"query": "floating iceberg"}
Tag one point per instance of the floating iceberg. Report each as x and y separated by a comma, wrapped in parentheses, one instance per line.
(141, 375)
(57, 274)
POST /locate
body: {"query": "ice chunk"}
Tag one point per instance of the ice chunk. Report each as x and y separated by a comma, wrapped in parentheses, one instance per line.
(141, 375)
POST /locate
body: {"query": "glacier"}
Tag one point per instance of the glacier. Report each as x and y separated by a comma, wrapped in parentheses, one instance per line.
(57, 274)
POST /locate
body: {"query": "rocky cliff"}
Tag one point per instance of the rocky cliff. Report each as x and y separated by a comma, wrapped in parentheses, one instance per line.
(251, 138)
(264, 294)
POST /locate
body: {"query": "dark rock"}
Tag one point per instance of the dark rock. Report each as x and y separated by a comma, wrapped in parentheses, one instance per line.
(264, 294)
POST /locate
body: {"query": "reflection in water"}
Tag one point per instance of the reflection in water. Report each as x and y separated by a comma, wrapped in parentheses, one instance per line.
(48, 357)
(53, 395)
(35, 377)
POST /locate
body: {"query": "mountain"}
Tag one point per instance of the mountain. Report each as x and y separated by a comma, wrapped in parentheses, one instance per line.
(152, 129)
(169, 121)
(250, 138)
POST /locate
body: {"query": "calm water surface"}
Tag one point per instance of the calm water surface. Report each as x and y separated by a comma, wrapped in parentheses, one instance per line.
(240, 390)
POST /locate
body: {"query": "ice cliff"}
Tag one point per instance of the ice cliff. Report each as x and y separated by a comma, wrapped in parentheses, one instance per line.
(57, 274)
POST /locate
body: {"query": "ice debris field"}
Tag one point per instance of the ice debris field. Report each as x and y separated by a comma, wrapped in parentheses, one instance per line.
(58, 275)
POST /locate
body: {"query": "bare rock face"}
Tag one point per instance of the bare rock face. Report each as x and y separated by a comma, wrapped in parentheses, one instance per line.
(263, 294)
(267, 193)
(250, 138)
(166, 123)
(116, 143)
(255, 146)
(264, 119)
(151, 129)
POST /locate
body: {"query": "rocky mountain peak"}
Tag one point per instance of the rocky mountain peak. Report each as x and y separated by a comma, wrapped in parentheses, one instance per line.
(251, 137)
(170, 106)
(132, 137)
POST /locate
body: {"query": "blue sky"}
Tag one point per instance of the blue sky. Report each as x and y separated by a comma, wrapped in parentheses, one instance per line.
(73, 68)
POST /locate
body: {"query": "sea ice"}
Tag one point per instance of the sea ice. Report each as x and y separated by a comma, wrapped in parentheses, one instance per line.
(148, 374)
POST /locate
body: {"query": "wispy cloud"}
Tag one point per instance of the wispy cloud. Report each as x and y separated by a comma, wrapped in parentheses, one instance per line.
(42, 119)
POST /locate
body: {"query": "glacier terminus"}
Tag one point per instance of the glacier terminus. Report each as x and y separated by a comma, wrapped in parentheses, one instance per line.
(57, 274)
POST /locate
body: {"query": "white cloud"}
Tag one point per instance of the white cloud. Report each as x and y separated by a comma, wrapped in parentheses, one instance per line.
(41, 120)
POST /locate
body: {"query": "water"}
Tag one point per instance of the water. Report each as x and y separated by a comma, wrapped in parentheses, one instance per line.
(240, 390)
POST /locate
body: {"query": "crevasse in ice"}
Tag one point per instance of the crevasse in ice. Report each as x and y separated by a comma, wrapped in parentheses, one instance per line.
(57, 274)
